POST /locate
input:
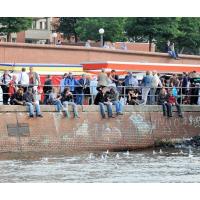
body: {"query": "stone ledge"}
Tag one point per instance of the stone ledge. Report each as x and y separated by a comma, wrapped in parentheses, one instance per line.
(93, 49)
(95, 108)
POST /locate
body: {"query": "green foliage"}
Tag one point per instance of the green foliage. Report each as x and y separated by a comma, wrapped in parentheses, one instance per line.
(14, 24)
(67, 26)
(152, 28)
(88, 28)
(189, 39)
(183, 31)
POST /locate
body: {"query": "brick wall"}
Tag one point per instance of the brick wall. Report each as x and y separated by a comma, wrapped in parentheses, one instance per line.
(30, 53)
(139, 127)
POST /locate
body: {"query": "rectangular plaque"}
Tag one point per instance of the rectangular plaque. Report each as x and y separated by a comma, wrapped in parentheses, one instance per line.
(20, 129)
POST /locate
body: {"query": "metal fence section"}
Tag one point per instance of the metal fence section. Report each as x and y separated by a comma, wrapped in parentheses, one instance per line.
(122, 90)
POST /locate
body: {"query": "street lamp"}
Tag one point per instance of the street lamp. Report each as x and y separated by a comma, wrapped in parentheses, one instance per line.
(101, 32)
(54, 35)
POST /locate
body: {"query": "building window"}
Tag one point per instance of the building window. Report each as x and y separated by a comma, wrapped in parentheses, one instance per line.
(41, 27)
(34, 24)
(45, 25)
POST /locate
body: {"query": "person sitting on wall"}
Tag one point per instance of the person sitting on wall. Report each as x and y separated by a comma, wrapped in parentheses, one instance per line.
(55, 99)
(102, 99)
(17, 98)
(114, 98)
(67, 99)
(133, 97)
(170, 50)
(31, 103)
(172, 101)
(162, 100)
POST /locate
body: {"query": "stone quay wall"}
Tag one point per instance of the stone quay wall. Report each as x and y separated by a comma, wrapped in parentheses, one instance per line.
(139, 127)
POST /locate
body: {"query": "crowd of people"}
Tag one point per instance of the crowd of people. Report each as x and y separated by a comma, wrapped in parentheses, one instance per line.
(105, 90)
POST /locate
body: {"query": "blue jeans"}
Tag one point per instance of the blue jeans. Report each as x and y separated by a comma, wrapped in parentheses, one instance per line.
(74, 106)
(79, 99)
(118, 106)
(102, 109)
(58, 105)
(164, 108)
(169, 109)
(172, 54)
(31, 108)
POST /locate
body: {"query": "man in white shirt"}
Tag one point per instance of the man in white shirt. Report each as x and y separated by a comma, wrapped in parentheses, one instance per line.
(155, 82)
(23, 79)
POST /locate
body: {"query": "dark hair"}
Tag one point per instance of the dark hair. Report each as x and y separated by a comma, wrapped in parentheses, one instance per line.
(23, 69)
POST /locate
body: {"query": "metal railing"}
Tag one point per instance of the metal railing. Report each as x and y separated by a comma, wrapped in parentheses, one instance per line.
(122, 90)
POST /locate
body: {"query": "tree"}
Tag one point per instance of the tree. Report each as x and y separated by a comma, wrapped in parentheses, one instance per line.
(10, 25)
(189, 40)
(88, 28)
(152, 28)
(67, 26)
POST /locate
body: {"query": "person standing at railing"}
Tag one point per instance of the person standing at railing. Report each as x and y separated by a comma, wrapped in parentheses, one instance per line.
(47, 88)
(130, 83)
(102, 79)
(146, 85)
(71, 82)
(184, 83)
(4, 82)
(23, 79)
(12, 85)
(63, 82)
(34, 82)
(82, 84)
(155, 83)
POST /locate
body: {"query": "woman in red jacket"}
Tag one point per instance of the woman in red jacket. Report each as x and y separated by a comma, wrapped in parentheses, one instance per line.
(171, 101)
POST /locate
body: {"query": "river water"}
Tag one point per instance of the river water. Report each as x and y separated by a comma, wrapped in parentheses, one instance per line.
(169, 165)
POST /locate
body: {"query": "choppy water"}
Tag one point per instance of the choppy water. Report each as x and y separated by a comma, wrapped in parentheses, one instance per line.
(135, 166)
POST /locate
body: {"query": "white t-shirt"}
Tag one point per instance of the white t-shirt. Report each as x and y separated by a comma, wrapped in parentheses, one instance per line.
(23, 78)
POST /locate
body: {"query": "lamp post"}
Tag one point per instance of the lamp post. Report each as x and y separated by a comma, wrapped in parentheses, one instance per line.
(101, 32)
(54, 35)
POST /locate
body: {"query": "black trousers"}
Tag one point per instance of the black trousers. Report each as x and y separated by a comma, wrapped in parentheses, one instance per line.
(6, 96)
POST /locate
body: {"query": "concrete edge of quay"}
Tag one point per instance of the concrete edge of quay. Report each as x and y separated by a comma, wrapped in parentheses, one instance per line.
(95, 108)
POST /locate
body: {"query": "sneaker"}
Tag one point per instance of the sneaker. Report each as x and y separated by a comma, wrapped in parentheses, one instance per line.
(31, 116)
(120, 113)
(103, 116)
(111, 116)
(39, 115)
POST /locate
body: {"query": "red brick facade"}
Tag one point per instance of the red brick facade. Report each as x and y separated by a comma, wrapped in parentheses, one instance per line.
(139, 127)
(30, 53)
